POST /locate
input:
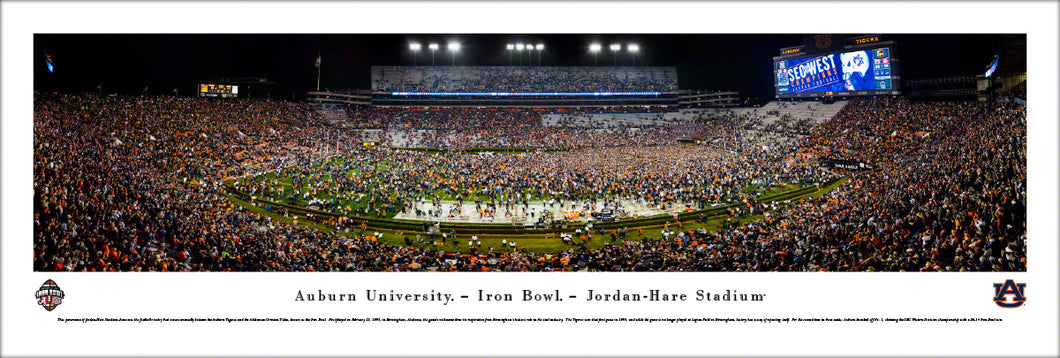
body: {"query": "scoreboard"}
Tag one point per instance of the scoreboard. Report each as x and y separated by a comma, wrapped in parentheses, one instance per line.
(218, 90)
(864, 66)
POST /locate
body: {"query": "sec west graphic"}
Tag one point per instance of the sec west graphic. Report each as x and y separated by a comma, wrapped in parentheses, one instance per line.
(1010, 294)
(49, 295)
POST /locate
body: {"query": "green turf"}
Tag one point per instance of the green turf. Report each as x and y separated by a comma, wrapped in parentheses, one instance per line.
(829, 188)
(780, 189)
(543, 243)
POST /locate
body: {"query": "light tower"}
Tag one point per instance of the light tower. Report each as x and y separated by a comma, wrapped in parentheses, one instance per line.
(635, 50)
(433, 47)
(415, 48)
(453, 48)
(595, 49)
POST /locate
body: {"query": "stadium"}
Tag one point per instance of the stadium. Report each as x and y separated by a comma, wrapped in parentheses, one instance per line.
(571, 166)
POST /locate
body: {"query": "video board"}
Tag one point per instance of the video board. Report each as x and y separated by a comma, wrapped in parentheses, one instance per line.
(217, 90)
(850, 73)
(993, 67)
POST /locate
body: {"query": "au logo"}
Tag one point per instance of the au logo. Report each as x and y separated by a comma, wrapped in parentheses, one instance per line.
(823, 41)
(49, 295)
(1009, 288)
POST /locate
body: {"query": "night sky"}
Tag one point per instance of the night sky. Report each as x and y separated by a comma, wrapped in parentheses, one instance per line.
(126, 63)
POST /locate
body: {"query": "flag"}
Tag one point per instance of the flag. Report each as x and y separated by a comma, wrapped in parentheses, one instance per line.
(318, 61)
(48, 61)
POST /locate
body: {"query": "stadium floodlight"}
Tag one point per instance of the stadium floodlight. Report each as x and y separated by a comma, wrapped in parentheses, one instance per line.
(595, 49)
(510, 48)
(415, 48)
(453, 48)
(520, 47)
(614, 52)
(635, 50)
(433, 47)
(540, 47)
(616, 47)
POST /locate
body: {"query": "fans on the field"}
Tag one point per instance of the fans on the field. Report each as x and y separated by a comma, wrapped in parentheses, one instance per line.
(129, 184)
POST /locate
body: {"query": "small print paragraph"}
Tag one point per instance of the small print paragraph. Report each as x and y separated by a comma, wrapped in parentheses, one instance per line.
(555, 320)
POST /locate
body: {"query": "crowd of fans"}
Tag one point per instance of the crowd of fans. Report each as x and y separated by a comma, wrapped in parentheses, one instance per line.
(662, 176)
(749, 130)
(1017, 91)
(510, 128)
(462, 118)
(135, 183)
(949, 192)
(132, 183)
(614, 120)
(524, 79)
(544, 137)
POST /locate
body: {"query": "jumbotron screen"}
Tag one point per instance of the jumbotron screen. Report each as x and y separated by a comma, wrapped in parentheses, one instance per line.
(857, 72)
(216, 90)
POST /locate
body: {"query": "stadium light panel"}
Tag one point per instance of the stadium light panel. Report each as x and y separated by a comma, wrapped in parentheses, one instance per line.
(433, 46)
(454, 46)
(633, 47)
(595, 47)
(616, 47)
(540, 47)
(511, 47)
(414, 46)
(519, 47)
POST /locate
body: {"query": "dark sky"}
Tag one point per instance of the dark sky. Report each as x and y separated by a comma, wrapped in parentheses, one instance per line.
(126, 63)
